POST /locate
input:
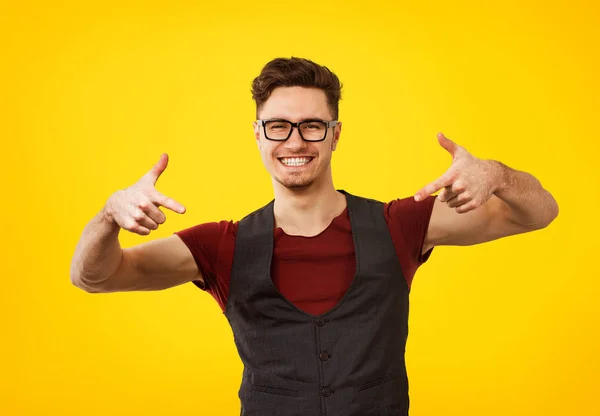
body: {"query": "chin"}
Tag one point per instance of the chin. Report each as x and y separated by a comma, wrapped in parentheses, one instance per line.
(298, 186)
(295, 183)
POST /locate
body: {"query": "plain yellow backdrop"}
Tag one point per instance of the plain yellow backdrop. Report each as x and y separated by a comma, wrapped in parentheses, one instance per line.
(92, 93)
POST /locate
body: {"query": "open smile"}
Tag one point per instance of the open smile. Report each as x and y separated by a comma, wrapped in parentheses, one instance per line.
(295, 161)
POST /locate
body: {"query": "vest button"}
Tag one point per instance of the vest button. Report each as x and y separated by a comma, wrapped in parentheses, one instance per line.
(324, 356)
(326, 392)
(320, 322)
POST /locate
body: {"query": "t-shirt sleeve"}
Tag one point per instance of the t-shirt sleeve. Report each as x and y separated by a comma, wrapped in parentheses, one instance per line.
(408, 221)
(212, 245)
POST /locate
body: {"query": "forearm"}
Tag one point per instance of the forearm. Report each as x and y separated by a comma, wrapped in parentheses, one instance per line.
(98, 253)
(530, 205)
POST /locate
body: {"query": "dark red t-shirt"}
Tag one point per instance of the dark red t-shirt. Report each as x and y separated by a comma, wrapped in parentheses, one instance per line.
(313, 273)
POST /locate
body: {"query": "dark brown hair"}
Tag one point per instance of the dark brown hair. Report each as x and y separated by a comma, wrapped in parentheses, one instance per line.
(296, 72)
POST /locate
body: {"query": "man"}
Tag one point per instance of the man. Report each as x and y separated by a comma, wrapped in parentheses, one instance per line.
(315, 284)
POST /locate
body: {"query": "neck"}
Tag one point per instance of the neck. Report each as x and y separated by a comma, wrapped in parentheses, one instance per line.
(307, 211)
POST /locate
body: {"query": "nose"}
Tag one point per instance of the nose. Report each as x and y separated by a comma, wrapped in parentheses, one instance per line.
(295, 141)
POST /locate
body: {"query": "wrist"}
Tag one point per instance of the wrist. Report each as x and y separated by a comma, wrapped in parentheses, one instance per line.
(106, 214)
(500, 174)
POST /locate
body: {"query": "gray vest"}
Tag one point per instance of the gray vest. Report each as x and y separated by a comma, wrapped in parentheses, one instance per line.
(348, 361)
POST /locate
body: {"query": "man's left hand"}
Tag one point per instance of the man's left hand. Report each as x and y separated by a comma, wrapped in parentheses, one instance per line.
(468, 183)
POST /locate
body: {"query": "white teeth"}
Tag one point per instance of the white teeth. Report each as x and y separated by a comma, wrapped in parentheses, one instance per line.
(295, 161)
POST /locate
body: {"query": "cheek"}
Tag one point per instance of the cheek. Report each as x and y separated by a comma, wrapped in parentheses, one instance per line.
(266, 151)
(326, 152)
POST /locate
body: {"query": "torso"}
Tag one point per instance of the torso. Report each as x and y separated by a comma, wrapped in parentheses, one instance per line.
(311, 272)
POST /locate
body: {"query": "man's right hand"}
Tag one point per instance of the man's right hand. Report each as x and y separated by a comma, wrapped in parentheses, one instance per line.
(135, 209)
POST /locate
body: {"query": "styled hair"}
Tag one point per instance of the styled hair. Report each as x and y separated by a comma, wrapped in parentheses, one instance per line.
(296, 72)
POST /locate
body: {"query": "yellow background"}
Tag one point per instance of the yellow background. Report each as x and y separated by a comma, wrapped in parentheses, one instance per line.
(91, 94)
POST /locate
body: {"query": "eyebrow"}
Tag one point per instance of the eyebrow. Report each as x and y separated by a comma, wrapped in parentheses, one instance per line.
(300, 121)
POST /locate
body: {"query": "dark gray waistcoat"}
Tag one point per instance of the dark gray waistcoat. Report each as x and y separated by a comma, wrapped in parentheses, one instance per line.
(348, 361)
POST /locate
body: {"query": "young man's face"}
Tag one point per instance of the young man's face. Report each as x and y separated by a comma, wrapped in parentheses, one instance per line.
(311, 161)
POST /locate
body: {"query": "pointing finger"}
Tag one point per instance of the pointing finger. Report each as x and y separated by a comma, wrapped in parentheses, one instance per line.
(442, 182)
(169, 203)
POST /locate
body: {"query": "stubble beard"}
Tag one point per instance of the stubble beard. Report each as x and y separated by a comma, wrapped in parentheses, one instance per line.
(295, 182)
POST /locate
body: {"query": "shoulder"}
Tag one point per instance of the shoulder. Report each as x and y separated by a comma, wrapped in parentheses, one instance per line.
(401, 209)
(211, 245)
(408, 222)
(209, 231)
(407, 208)
(220, 229)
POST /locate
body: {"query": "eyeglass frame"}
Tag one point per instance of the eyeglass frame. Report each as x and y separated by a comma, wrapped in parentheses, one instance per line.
(329, 124)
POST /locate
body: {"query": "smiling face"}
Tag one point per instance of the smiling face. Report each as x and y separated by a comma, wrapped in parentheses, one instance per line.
(295, 163)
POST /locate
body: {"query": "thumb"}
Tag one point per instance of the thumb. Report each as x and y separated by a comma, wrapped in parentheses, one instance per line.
(160, 166)
(447, 144)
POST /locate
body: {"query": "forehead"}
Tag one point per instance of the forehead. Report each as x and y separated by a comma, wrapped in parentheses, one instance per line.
(296, 103)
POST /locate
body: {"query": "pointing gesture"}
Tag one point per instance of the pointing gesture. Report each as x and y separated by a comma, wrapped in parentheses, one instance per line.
(135, 209)
(467, 184)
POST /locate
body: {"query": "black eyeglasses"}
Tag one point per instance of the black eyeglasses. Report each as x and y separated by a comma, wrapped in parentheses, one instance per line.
(310, 130)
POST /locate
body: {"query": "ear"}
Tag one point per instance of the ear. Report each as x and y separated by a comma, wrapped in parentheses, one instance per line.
(336, 135)
(256, 132)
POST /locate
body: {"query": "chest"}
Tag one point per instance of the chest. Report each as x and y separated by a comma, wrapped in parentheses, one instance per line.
(314, 273)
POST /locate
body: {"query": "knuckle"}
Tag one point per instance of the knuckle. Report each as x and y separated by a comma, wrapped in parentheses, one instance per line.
(138, 215)
(144, 204)
(458, 187)
(130, 224)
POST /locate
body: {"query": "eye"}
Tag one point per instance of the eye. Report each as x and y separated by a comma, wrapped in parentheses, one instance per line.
(314, 126)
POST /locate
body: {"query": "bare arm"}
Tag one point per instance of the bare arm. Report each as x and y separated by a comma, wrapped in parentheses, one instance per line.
(483, 200)
(100, 265)
(98, 253)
